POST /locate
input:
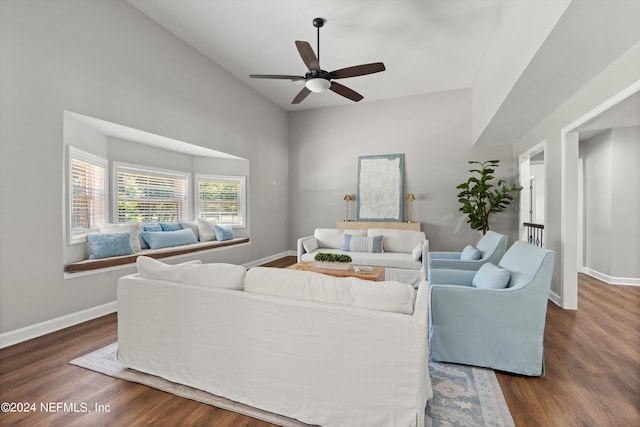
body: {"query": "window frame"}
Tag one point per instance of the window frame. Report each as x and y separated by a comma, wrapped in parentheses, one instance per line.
(152, 171)
(242, 199)
(75, 153)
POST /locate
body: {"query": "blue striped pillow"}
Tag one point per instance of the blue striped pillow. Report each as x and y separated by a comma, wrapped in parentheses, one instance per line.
(169, 226)
(362, 243)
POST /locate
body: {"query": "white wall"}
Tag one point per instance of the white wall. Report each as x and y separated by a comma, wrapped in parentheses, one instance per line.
(598, 173)
(618, 76)
(434, 133)
(536, 171)
(612, 202)
(106, 60)
(521, 27)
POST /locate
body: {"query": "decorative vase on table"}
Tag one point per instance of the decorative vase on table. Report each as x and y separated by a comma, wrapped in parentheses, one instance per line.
(332, 261)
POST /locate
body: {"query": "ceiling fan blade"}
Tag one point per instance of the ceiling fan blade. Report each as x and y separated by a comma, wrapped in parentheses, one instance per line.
(345, 91)
(275, 76)
(308, 56)
(358, 70)
(301, 95)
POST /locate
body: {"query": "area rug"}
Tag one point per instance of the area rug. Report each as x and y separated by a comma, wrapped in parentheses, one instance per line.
(463, 395)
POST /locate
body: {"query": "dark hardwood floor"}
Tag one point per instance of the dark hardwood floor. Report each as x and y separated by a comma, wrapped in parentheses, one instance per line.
(593, 374)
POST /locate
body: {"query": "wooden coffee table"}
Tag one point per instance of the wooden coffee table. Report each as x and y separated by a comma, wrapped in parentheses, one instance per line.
(376, 274)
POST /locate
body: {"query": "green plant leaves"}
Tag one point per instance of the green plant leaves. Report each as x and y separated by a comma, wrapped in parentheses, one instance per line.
(329, 257)
(479, 197)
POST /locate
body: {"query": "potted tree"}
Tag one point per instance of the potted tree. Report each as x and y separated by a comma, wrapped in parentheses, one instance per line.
(480, 197)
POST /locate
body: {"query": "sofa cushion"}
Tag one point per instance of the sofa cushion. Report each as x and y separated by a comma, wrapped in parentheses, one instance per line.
(223, 232)
(417, 252)
(133, 228)
(165, 239)
(333, 237)
(217, 275)
(205, 230)
(154, 269)
(193, 225)
(109, 244)
(490, 276)
(170, 226)
(469, 253)
(362, 243)
(398, 240)
(152, 226)
(310, 245)
(383, 296)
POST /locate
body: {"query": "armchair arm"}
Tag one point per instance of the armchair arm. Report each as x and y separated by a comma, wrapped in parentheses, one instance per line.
(300, 247)
(449, 276)
(424, 259)
(444, 255)
(472, 265)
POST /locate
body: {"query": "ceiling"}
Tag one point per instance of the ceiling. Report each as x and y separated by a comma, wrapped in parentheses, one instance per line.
(426, 45)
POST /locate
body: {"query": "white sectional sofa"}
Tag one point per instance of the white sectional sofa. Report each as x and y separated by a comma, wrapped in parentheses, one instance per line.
(404, 252)
(323, 350)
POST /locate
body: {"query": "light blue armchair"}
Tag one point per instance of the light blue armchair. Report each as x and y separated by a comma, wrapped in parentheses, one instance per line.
(501, 329)
(447, 267)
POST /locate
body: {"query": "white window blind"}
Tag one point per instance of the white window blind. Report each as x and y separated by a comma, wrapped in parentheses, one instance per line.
(222, 199)
(87, 193)
(145, 195)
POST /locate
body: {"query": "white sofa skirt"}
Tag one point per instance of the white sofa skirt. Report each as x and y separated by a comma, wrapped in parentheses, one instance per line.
(320, 363)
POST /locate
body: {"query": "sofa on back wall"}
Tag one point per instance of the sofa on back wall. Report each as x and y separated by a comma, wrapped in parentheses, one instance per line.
(403, 253)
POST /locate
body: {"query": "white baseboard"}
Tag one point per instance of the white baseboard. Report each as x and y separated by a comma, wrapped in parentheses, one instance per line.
(33, 331)
(630, 281)
(39, 329)
(269, 259)
(555, 298)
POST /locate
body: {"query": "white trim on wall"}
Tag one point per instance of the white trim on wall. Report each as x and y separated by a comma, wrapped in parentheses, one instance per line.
(569, 170)
(48, 326)
(611, 280)
(34, 331)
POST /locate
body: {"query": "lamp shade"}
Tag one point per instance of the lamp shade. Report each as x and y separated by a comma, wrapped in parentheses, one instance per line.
(411, 197)
(347, 197)
(317, 84)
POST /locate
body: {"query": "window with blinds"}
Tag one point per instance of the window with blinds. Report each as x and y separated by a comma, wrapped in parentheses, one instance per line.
(87, 193)
(150, 195)
(222, 199)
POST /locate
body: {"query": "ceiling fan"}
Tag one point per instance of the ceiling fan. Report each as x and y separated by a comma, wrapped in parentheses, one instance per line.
(319, 80)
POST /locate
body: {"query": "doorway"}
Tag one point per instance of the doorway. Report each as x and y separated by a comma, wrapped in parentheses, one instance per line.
(572, 216)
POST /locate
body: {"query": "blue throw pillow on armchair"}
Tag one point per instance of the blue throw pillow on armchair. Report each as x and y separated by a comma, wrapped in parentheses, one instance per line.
(490, 276)
(469, 253)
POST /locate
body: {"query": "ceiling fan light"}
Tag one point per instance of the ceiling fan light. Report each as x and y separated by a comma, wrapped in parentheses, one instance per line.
(317, 84)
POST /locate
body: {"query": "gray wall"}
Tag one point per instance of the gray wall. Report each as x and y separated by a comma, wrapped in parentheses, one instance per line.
(617, 77)
(434, 133)
(106, 60)
(612, 202)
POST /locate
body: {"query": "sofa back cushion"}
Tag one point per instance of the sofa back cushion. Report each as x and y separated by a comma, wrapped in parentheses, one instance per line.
(390, 296)
(362, 243)
(333, 237)
(217, 275)
(398, 240)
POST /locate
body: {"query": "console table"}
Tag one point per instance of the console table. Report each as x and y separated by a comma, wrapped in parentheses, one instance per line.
(394, 225)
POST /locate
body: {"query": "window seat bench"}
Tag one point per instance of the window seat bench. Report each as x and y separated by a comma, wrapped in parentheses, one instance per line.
(94, 264)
